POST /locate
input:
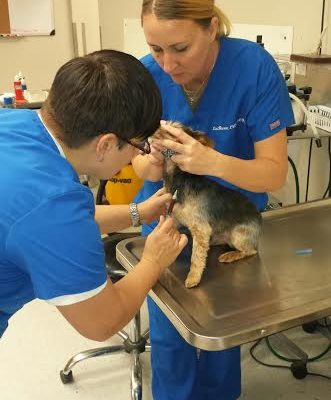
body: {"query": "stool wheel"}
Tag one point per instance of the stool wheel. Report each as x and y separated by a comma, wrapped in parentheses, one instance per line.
(66, 378)
(310, 327)
(299, 369)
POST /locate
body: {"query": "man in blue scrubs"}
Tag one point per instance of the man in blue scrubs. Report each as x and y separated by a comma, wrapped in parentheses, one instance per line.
(233, 91)
(100, 110)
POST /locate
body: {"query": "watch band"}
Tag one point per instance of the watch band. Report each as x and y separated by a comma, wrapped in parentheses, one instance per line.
(134, 214)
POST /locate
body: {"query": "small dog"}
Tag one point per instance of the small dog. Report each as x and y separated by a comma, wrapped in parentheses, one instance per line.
(213, 213)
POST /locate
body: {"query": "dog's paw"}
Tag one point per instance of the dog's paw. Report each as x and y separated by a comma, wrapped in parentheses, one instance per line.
(229, 257)
(235, 255)
(192, 280)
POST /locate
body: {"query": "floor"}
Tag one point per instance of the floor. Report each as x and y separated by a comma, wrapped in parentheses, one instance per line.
(39, 342)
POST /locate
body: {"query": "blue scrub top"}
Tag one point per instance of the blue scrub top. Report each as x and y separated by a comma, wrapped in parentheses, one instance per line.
(50, 245)
(246, 100)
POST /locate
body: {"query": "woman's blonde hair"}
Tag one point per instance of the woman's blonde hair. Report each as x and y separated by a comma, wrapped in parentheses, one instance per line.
(199, 11)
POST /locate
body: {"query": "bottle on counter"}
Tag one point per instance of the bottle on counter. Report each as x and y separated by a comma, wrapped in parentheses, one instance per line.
(18, 89)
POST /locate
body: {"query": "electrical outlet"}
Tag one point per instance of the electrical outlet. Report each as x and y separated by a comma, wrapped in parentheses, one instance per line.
(284, 36)
(301, 69)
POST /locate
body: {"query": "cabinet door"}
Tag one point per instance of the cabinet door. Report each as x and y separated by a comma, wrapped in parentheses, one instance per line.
(86, 26)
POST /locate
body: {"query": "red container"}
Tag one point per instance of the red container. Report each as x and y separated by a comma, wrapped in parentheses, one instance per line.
(18, 89)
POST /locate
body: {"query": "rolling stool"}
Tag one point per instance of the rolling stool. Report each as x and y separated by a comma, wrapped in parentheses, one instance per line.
(134, 342)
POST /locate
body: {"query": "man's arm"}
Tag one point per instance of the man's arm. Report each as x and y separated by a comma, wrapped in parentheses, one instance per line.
(101, 316)
(116, 218)
(104, 314)
(149, 167)
(112, 218)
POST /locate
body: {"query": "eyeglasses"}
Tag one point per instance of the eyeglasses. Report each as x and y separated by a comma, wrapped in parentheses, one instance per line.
(142, 146)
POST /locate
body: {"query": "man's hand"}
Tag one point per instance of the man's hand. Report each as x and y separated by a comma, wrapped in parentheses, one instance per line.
(164, 244)
(152, 208)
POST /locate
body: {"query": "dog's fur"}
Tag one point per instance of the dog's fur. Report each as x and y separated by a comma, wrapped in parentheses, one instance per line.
(213, 214)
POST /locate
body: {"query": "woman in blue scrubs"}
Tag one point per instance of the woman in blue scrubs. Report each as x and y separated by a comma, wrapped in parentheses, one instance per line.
(233, 91)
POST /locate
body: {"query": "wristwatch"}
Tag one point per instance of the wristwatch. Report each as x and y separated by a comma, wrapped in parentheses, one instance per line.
(134, 214)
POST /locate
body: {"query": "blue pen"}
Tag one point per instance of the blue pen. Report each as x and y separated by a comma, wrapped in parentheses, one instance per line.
(303, 252)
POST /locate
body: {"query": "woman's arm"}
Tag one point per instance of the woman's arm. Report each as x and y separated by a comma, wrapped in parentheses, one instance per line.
(267, 172)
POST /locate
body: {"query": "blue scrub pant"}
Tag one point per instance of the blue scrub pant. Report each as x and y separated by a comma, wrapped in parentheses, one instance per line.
(178, 373)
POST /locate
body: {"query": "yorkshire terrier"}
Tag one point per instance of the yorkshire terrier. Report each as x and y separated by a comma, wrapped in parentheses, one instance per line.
(214, 214)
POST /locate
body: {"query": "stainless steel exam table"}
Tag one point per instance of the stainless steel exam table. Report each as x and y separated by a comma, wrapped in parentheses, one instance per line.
(287, 284)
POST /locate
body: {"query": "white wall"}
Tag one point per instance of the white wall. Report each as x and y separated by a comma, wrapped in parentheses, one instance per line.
(37, 57)
(112, 18)
(304, 15)
(40, 57)
(85, 15)
(327, 22)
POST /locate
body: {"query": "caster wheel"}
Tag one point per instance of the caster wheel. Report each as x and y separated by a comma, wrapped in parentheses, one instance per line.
(310, 327)
(66, 378)
(299, 369)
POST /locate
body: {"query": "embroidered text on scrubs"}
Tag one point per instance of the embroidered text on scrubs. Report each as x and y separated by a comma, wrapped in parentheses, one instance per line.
(229, 127)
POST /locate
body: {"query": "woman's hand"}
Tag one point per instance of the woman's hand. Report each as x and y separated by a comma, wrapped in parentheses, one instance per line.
(191, 156)
(164, 244)
(152, 208)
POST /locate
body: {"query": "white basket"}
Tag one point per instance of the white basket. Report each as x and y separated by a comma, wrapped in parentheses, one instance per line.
(321, 115)
(35, 96)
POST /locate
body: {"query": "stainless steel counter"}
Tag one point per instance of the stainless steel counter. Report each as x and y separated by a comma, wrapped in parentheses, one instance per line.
(288, 283)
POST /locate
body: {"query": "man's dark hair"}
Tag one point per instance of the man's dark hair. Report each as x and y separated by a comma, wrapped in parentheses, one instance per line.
(105, 91)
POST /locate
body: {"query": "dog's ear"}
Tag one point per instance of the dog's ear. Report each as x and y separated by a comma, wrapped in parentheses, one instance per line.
(162, 133)
(200, 137)
(204, 139)
(158, 133)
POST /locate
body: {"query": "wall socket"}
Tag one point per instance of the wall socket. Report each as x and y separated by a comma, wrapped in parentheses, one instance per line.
(301, 69)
